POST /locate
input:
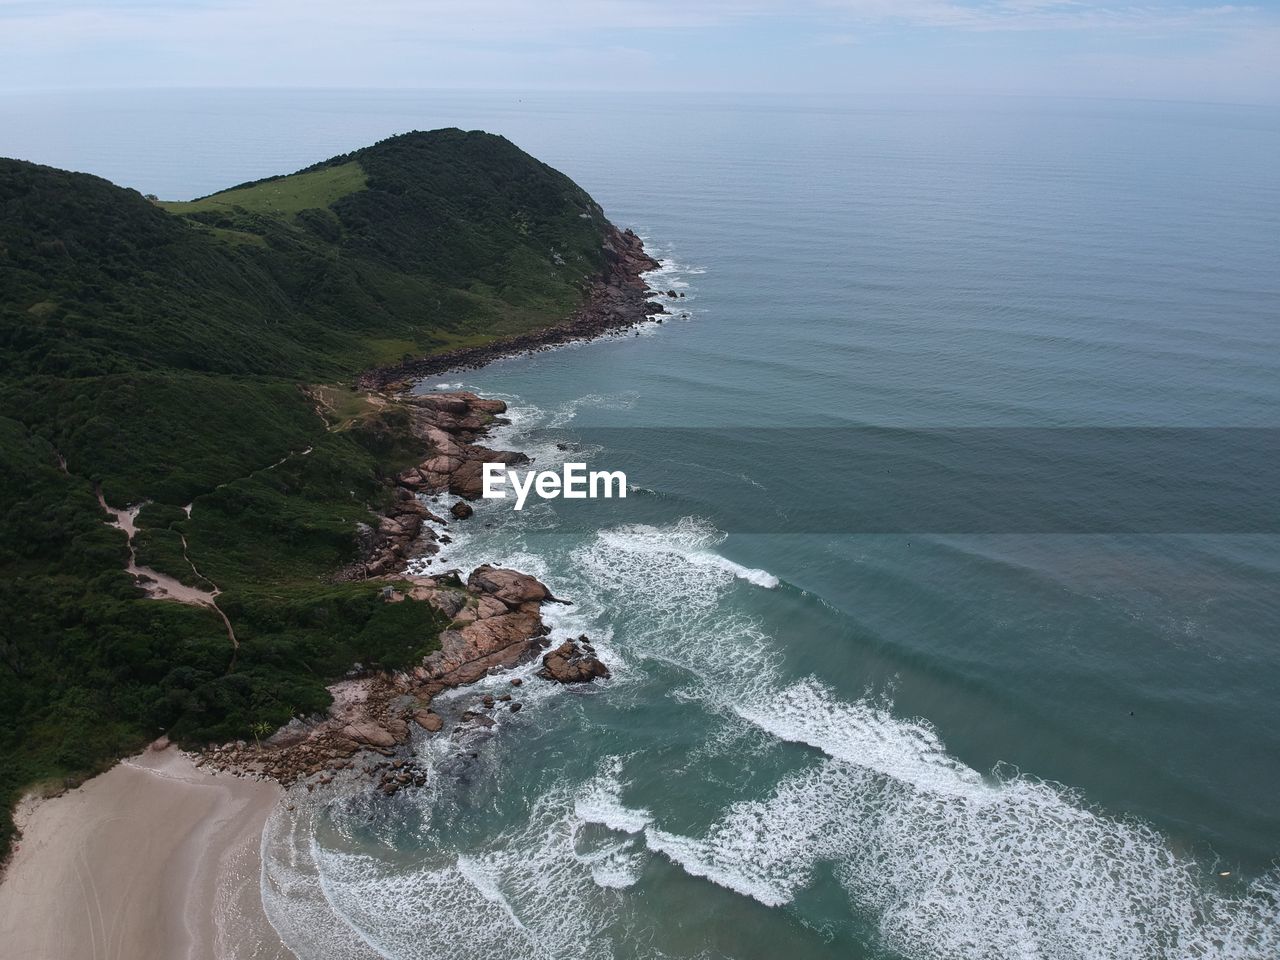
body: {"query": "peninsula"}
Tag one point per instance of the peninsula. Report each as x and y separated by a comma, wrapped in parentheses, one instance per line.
(212, 471)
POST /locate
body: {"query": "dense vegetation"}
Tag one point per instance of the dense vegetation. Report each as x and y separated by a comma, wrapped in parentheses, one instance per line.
(159, 352)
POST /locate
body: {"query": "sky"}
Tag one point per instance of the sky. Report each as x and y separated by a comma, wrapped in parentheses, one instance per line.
(1097, 48)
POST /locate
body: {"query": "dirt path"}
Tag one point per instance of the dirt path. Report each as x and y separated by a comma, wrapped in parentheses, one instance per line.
(161, 586)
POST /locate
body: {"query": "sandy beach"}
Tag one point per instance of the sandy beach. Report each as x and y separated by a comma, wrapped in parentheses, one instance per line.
(153, 860)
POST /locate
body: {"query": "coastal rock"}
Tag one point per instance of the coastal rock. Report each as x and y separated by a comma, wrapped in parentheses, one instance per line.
(454, 403)
(489, 606)
(429, 721)
(423, 591)
(295, 731)
(496, 620)
(510, 586)
(442, 464)
(467, 480)
(449, 423)
(569, 663)
(448, 602)
(366, 731)
(468, 654)
(398, 729)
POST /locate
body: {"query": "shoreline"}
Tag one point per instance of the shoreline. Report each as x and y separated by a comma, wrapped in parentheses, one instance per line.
(160, 854)
(617, 299)
(154, 858)
(492, 622)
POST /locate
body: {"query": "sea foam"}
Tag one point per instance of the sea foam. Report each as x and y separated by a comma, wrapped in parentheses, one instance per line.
(950, 862)
(953, 863)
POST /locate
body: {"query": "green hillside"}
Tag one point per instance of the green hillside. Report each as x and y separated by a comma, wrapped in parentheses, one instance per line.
(314, 189)
(160, 351)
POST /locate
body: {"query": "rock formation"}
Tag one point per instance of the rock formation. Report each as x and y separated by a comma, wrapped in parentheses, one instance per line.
(574, 661)
(495, 623)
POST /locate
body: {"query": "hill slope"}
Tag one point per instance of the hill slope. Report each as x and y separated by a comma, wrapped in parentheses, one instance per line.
(158, 353)
(405, 247)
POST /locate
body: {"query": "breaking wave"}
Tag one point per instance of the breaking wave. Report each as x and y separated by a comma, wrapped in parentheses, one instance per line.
(953, 863)
(947, 861)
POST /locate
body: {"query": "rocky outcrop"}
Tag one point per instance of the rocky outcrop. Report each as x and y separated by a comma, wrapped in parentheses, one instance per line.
(495, 624)
(574, 661)
(369, 733)
(617, 298)
(468, 654)
(511, 587)
(504, 630)
(450, 424)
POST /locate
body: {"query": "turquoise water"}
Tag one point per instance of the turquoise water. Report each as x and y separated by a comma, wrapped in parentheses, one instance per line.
(837, 744)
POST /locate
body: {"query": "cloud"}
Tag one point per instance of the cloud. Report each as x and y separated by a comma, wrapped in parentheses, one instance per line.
(77, 20)
(1042, 15)
(619, 43)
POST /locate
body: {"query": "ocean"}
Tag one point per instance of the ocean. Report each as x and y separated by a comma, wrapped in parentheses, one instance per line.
(835, 730)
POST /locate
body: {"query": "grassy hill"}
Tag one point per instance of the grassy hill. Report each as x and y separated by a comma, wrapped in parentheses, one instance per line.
(310, 190)
(159, 351)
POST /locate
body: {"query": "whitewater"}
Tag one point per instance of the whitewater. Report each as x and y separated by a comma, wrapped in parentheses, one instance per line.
(933, 859)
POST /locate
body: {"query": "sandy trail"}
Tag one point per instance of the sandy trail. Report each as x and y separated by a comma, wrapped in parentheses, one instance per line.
(161, 586)
(153, 859)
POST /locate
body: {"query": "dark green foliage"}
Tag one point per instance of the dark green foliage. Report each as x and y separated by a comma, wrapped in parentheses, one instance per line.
(157, 353)
(456, 235)
(168, 436)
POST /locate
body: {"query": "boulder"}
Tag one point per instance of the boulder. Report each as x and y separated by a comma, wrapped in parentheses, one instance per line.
(510, 586)
(467, 481)
(411, 505)
(452, 403)
(366, 731)
(398, 729)
(467, 654)
(429, 721)
(569, 663)
(491, 407)
(412, 479)
(461, 510)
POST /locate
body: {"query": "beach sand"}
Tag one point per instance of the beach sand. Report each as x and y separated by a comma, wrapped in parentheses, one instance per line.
(153, 860)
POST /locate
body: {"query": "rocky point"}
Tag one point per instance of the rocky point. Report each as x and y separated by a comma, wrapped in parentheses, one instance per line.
(495, 623)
